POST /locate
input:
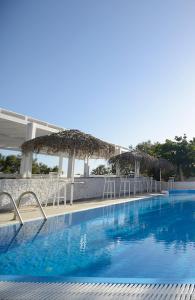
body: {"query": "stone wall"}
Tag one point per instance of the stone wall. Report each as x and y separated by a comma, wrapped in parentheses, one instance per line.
(45, 188)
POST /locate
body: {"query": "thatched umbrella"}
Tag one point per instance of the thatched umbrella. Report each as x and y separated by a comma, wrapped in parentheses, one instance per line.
(133, 158)
(163, 165)
(70, 143)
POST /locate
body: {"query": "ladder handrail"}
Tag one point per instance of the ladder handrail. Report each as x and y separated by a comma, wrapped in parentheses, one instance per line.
(14, 205)
(35, 196)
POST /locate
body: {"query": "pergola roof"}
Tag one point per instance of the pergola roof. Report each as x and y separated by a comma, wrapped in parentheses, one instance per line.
(13, 129)
(68, 143)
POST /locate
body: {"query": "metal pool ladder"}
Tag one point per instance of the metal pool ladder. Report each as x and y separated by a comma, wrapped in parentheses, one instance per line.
(37, 200)
(16, 208)
(14, 205)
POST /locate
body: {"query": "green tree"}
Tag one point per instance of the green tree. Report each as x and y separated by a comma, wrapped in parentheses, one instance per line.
(2, 161)
(180, 152)
(11, 164)
(147, 147)
(100, 170)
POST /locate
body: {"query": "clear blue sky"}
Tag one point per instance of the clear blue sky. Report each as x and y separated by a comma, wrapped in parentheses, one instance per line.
(122, 70)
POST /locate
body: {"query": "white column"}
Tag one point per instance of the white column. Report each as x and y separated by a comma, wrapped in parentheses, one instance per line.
(30, 131)
(60, 165)
(22, 164)
(26, 162)
(86, 167)
(70, 174)
(28, 165)
(70, 171)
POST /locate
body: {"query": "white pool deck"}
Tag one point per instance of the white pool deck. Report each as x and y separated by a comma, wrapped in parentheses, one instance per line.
(71, 291)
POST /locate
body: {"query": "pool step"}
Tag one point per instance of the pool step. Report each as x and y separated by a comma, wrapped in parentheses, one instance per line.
(84, 291)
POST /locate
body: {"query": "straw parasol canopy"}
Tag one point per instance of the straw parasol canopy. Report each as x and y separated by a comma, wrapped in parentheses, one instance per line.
(131, 157)
(164, 165)
(70, 142)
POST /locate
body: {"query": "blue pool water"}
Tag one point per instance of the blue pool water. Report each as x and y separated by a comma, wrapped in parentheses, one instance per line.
(151, 238)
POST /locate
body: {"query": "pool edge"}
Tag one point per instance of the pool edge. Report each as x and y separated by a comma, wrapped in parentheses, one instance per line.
(142, 197)
(100, 280)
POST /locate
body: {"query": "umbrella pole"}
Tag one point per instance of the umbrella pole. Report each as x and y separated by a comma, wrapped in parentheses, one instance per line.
(135, 171)
(138, 168)
(71, 164)
(86, 167)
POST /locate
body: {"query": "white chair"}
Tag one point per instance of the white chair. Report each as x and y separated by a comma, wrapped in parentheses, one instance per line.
(61, 191)
(156, 187)
(125, 186)
(141, 185)
(171, 183)
(109, 188)
(52, 188)
(135, 184)
(147, 185)
(151, 184)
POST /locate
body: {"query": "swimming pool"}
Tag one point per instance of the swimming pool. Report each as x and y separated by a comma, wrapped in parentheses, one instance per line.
(150, 239)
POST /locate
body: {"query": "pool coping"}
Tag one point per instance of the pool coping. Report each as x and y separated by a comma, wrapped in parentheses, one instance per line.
(93, 280)
(142, 197)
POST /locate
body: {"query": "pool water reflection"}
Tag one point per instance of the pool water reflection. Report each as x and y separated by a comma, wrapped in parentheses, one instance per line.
(151, 238)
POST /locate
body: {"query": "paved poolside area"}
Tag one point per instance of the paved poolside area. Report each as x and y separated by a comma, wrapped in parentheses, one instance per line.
(30, 212)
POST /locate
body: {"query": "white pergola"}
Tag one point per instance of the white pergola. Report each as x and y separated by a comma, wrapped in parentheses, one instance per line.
(17, 128)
